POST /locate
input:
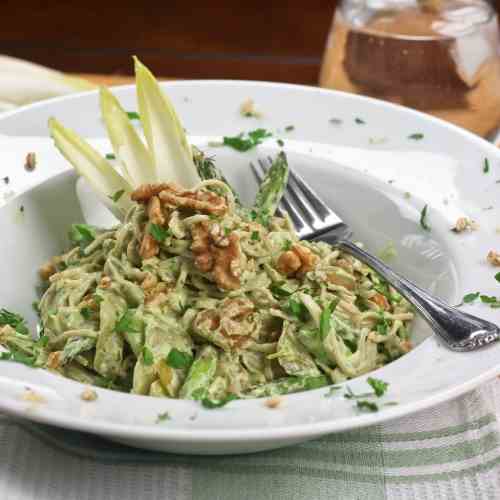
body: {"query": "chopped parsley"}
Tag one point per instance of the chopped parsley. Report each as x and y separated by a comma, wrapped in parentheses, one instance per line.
(159, 233)
(217, 403)
(86, 312)
(128, 323)
(116, 196)
(110, 156)
(243, 142)
(423, 219)
(383, 325)
(289, 128)
(147, 356)
(416, 137)
(179, 359)
(280, 143)
(324, 319)
(43, 341)
(470, 297)
(278, 291)
(287, 245)
(497, 276)
(365, 405)
(162, 417)
(350, 394)
(255, 236)
(133, 115)
(82, 235)
(298, 310)
(486, 166)
(359, 121)
(14, 320)
(18, 357)
(379, 386)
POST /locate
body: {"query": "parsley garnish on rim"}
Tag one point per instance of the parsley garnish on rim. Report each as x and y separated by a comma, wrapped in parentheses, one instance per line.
(365, 405)
(497, 276)
(280, 143)
(162, 417)
(217, 403)
(486, 166)
(423, 219)
(416, 137)
(289, 128)
(331, 391)
(159, 233)
(359, 121)
(470, 297)
(379, 386)
(133, 115)
(110, 156)
(244, 142)
(116, 196)
(179, 359)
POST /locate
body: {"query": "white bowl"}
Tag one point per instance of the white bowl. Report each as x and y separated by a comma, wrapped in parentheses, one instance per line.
(363, 177)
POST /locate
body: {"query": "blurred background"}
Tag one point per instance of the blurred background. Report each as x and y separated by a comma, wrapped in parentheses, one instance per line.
(439, 56)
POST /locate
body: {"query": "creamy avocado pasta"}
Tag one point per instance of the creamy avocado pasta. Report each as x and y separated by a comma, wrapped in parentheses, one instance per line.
(195, 296)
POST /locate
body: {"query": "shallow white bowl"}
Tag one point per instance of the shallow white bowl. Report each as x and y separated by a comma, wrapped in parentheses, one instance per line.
(362, 170)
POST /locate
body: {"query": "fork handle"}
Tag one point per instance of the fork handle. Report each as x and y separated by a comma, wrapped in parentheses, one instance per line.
(460, 331)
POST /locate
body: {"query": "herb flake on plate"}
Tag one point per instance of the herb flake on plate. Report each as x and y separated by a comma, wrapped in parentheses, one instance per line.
(423, 219)
(486, 166)
(416, 137)
(244, 142)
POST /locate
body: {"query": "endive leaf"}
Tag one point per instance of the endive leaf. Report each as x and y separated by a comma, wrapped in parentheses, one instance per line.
(137, 164)
(95, 168)
(168, 144)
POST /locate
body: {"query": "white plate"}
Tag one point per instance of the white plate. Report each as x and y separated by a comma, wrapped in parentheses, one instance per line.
(361, 176)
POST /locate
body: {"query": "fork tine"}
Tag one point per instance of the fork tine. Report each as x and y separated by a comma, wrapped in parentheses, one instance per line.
(258, 176)
(286, 207)
(321, 209)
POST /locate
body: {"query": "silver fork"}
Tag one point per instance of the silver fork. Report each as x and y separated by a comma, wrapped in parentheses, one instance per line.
(314, 220)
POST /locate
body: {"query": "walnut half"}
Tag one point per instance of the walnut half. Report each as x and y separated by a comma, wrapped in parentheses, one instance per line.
(298, 261)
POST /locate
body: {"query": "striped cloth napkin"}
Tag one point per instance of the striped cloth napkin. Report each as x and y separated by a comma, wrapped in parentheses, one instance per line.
(449, 452)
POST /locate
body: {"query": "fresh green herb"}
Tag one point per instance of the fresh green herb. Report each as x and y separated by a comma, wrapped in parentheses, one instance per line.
(497, 276)
(255, 236)
(486, 166)
(147, 356)
(217, 403)
(350, 394)
(488, 299)
(127, 323)
(416, 137)
(86, 312)
(42, 341)
(278, 291)
(365, 405)
(287, 245)
(324, 319)
(331, 391)
(162, 417)
(14, 320)
(470, 297)
(82, 235)
(359, 121)
(133, 115)
(159, 233)
(379, 386)
(298, 309)
(116, 196)
(244, 143)
(98, 298)
(21, 208)
(110, 156)
(18, 357)
(227, 231)
(179, 359)
(423, 219)
(383, 325)
(280, 142)
(289, 128)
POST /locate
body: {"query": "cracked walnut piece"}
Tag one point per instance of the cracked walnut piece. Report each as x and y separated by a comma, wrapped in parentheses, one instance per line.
(493, 258)
(220, 256)
(297, 261)
(464, 224)
(176, 197)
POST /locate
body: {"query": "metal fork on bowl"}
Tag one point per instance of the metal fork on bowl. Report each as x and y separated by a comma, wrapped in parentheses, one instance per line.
(314, 220)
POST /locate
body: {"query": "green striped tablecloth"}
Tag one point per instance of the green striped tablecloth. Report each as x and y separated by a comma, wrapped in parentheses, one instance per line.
(451, 451)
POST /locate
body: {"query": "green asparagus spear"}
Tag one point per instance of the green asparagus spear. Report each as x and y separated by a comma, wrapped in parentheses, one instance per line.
(272, 187)
(287, 385)
(200, 374)
(207, 170)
